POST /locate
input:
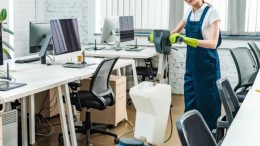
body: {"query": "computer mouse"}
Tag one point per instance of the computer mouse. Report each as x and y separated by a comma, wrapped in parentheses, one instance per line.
(19, 61)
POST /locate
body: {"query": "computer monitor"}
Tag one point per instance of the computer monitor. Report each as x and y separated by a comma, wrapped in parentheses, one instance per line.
(1, 49)
(65, 36)
(126, 26)
(109, 30)
(40, 39)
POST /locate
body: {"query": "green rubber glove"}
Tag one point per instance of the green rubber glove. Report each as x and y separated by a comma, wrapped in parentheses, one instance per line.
(190, 41)
(151, 38)
(174, 37)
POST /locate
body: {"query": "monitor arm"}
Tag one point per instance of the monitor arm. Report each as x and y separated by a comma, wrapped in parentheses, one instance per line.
(44, 45)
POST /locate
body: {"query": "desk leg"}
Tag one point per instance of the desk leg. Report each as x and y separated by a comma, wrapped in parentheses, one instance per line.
(32, 120)
(118, 72)
(134, 73)
(161, 66)
(63, 118)
(70, 116)
(24, 122)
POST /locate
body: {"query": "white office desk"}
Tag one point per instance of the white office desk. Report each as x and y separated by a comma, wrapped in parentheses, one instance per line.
(245, 129)
(47, 77)
(148, 52)
(38, 80)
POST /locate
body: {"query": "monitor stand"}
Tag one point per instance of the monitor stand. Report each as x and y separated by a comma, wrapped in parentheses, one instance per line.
(9, 85)
(44, 45)
(95, 48)
(6, 85)
(134, 48)
(78, 65)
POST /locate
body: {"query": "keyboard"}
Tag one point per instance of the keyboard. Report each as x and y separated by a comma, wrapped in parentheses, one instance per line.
(28, 60)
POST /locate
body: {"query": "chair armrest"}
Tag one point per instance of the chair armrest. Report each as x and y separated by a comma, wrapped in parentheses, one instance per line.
(75, 100)
(74, 86)
(222, 122)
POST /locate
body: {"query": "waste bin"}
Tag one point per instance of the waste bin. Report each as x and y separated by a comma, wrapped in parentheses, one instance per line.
(152, 103)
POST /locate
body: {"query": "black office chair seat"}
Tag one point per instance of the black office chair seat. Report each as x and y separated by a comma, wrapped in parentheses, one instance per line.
(92, 101)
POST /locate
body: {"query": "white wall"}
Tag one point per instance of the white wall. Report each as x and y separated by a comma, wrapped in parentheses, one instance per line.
(58, 9)
(24, 12)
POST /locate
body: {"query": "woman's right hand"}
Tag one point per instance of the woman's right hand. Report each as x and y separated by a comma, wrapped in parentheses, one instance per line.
(173, 38)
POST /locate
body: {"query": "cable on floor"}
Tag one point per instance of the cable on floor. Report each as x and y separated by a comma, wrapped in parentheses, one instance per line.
(171, 126)
(50, 125)
(129, 130)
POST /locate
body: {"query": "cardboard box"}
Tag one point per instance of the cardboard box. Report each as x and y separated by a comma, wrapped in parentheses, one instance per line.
(112, 115)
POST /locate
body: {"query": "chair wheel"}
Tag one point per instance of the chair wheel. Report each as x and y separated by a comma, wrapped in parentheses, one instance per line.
(116, 140)
(60, 138)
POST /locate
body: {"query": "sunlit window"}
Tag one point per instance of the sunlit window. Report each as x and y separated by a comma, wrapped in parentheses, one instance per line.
(252, 16)
(148, 14)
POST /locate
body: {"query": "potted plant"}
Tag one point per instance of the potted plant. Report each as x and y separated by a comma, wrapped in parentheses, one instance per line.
(4, 52)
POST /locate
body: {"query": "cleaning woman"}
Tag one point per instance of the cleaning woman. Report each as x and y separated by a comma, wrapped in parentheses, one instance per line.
(201, 23)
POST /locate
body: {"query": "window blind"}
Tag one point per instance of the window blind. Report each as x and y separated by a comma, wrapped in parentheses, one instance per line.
(148, 14)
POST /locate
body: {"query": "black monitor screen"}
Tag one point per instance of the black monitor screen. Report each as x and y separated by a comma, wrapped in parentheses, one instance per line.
(126, 24)
(65, 35)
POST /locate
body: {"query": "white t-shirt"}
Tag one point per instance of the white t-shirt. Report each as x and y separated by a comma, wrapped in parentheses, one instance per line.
(211, 16)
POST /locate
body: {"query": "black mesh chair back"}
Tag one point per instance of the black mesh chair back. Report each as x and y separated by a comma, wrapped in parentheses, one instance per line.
(228, 98)
(246, 66)
(256, 52)
(99, 85)
(193, 130)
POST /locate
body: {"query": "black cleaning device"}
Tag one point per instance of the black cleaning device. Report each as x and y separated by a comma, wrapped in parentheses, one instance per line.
(161, 41)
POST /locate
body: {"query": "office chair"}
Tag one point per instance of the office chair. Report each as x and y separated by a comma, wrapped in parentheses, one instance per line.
(256, 52)
(246, 69)
(147, 71)
(231, 106)
(99, 96)
(193, 130)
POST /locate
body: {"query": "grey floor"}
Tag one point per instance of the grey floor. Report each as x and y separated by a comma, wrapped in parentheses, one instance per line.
(102, 140)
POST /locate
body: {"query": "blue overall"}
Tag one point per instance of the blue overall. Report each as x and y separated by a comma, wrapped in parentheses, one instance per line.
(202, 72)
